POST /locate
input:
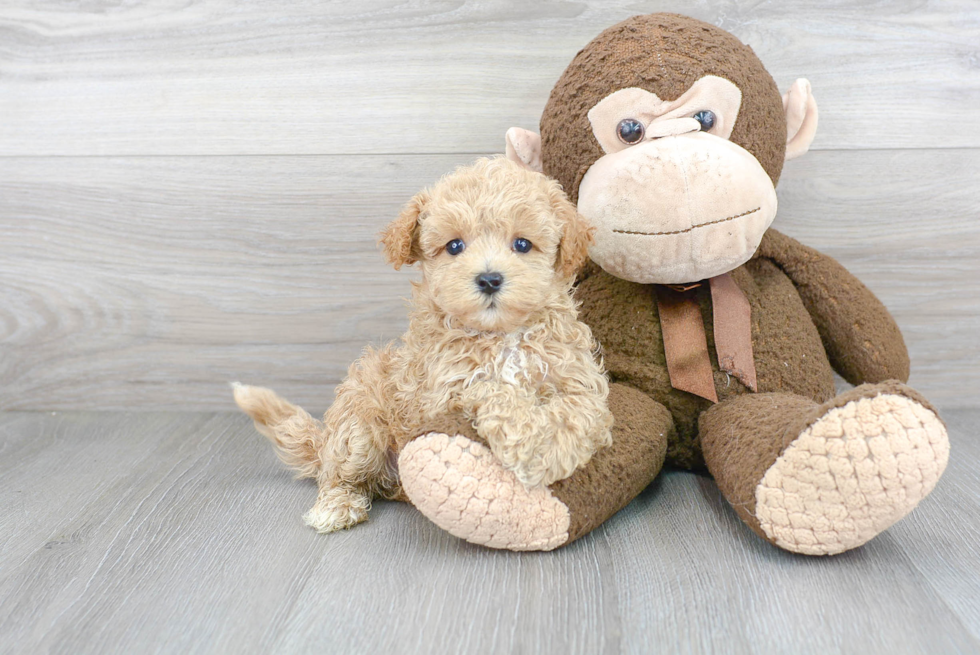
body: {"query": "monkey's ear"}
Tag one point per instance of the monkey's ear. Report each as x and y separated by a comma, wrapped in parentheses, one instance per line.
(576, 236)
(801, 118)
(400, 240)
(524, 147)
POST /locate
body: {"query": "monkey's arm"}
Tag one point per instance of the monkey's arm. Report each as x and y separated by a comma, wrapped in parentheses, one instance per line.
(861, 338)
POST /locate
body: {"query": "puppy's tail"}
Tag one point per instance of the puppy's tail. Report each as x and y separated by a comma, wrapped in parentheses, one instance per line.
(296, 435)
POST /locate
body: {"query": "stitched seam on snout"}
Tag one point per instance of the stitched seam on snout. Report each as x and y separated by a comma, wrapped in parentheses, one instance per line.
(693, 227)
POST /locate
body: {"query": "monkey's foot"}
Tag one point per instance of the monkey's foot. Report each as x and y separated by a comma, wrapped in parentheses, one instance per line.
(850, 475)
(460, 486)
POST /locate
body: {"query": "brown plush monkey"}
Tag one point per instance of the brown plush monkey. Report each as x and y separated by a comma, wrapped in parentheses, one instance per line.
(719, 334)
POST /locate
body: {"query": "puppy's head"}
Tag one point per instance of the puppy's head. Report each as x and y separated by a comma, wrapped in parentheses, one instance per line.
(496, 242)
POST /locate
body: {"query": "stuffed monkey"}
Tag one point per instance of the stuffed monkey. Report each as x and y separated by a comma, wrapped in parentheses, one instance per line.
(719, 334)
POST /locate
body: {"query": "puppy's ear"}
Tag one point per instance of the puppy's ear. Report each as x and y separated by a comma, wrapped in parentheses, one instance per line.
(400, 240)
(576, 236)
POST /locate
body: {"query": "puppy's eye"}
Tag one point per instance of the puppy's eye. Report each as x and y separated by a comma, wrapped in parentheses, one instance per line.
(707, 119)
(629, 131)
(522, 245)
(455, 246)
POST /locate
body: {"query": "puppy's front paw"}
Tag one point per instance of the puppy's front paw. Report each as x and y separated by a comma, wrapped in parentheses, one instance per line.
(541, 444)
(529, 474)
(338, 508)
(536, 466)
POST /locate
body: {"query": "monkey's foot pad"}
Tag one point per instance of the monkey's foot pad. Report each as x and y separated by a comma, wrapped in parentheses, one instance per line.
(851, 474)
(461, 487)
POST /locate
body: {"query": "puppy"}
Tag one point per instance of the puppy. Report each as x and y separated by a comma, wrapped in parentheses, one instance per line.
(493, 336)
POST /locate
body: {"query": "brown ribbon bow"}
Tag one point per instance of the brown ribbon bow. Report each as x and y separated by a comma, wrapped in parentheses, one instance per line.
(685, 343)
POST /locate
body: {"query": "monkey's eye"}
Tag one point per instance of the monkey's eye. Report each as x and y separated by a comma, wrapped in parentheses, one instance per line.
(707, 119)
(455, 247)
(629, 131)
(522, 245)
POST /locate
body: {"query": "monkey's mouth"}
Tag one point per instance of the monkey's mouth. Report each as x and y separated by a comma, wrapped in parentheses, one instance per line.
(689, 229)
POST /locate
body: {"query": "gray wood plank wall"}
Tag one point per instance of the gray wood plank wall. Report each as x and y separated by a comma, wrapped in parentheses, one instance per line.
(190, 191)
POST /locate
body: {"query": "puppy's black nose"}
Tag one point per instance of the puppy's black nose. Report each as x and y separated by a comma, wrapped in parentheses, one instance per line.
(489, 283)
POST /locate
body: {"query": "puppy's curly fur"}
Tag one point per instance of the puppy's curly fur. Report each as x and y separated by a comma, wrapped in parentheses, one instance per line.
(516, 362)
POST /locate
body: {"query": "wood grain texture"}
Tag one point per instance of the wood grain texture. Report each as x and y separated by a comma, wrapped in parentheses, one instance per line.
(181, 532)
(445, 76)
(949, 562)
(154, 281)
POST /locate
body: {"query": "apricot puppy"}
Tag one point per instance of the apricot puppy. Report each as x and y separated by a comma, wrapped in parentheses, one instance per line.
(493, 335)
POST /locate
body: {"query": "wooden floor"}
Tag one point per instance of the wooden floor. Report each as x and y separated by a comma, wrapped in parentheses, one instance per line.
(181, 533)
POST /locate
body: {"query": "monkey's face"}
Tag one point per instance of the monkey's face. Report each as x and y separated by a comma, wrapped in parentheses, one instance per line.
(672, 199)
(670, 135)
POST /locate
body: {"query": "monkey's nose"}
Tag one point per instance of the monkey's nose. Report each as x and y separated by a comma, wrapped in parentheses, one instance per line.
(672, 127)
(489, 283)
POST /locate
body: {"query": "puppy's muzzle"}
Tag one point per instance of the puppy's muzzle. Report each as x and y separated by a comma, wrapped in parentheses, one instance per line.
(489, 283)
